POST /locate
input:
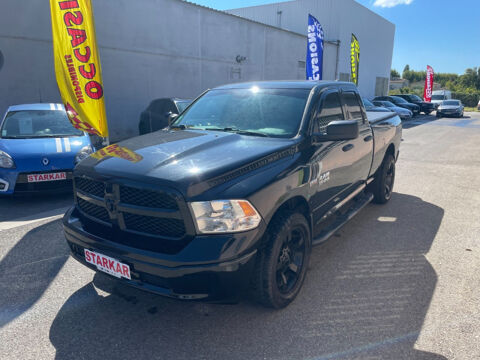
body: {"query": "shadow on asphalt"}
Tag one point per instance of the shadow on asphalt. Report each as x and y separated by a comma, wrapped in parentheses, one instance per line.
(19, 206)
(366, 296)
(28, 269)
(419, 120)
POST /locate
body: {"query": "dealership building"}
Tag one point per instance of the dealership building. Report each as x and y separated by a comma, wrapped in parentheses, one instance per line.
(171, 48)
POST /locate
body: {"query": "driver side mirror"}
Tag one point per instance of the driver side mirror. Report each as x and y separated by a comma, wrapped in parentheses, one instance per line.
(171, 118)
(338, 130)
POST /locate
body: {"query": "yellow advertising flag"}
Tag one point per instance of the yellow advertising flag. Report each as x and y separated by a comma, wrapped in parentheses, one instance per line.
(77, 65)
(118, 152)
(354, 58)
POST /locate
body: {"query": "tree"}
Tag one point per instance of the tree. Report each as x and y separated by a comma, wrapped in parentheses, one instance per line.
(394, 74)
(406, 69)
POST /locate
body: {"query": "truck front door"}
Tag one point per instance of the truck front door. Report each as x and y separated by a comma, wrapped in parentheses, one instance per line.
(360, 153)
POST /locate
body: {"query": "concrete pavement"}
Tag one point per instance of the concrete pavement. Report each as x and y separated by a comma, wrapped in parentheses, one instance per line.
(400, 281)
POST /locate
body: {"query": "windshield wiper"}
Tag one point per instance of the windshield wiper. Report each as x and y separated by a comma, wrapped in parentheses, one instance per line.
(178, 127)
(238, 131)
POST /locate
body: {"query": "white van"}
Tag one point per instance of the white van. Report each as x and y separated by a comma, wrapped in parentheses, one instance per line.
(439, 95)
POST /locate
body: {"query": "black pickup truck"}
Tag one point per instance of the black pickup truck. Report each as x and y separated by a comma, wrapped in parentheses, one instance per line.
(234, 194)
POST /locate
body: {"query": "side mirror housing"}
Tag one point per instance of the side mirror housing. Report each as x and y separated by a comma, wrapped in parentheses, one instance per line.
(338, 130)
(171, 118)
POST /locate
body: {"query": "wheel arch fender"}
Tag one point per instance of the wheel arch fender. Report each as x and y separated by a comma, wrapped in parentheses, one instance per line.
(294, 203)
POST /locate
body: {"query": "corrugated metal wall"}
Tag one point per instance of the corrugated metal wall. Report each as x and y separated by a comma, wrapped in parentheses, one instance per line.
(149, 49)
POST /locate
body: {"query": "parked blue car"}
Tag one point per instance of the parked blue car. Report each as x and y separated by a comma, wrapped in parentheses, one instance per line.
(39, 149)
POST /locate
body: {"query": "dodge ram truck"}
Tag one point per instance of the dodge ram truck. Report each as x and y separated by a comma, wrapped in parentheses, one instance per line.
(231, 197)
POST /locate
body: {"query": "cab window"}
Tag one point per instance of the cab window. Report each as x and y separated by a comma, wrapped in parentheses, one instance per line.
(350, 100)
(330, 110)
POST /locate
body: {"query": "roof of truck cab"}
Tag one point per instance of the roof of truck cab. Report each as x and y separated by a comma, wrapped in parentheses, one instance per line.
(303, 84)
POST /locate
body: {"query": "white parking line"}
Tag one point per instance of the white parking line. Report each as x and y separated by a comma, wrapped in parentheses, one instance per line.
(47, 215)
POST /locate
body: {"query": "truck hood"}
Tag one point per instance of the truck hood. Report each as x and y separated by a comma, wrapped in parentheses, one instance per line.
(185, 157)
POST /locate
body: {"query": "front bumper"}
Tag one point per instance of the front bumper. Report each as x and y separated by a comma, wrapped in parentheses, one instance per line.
(198, 272)
(15, 182)
(405, 116)
(449, 112)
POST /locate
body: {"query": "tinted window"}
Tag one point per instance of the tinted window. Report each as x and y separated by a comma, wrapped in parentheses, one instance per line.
(451, 102)
(273, 112)
(367, 102)
(388, 104)
(330, 110)
(182, 105)
(398, 100)
(38, 123)
(353, 106)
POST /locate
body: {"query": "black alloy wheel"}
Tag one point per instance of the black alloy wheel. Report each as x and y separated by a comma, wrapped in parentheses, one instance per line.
(282, 263)
(389, 180)
(382, 185)
(291, 259)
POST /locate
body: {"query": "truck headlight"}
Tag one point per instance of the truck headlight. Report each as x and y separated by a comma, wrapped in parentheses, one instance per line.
(6, 161)
(224, 216)
(83, 153)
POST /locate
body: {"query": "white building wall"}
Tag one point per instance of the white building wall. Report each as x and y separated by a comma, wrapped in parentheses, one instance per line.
(339, 19)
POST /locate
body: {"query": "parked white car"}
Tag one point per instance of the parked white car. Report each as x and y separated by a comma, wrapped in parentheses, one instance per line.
(450, 108)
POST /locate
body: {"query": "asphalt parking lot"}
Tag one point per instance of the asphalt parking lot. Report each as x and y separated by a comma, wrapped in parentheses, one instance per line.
(400, 281)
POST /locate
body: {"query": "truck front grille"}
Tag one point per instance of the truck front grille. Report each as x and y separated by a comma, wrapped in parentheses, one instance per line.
(92, 187)
(156, 226)
(94, 211)
(147, 198)
(132, 213)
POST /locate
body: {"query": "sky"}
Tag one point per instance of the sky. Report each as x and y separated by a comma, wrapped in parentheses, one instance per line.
(442, 33)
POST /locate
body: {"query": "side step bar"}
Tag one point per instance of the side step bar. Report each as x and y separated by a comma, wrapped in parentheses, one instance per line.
(359, 204)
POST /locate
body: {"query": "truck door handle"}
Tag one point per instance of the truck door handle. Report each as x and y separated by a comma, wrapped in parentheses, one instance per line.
(348, 147)
(368, 138)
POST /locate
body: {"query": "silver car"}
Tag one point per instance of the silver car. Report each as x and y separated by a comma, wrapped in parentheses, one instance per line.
(450, 108)
(404, 114)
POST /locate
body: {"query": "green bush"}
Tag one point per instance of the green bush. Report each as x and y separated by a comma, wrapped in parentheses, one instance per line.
(468, 99)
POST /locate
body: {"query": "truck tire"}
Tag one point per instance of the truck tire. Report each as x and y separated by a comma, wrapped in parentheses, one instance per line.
(282, 263)
(427, 112)
(382, 185)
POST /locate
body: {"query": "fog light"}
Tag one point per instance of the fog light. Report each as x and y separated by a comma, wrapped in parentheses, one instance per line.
(3, 185)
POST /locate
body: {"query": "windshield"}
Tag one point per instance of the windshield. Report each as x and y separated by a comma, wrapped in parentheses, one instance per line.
(399, 100)
(38, 123)
(254, 111)
(388, 104)
(367, 102)
(416, 97)
(451, 102)
(438, 97)
(182, 105)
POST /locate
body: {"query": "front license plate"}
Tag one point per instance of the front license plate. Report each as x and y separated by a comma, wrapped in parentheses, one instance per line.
(33, 178)
(108, 265)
